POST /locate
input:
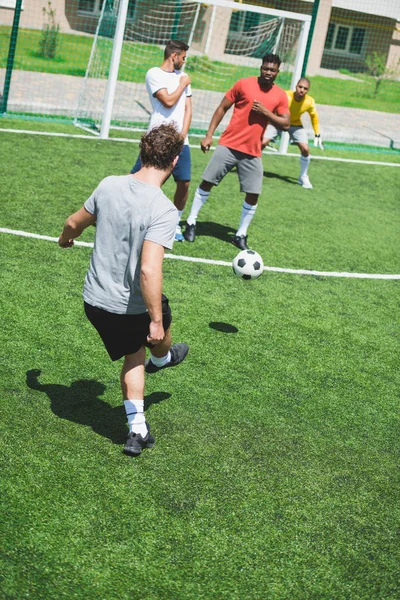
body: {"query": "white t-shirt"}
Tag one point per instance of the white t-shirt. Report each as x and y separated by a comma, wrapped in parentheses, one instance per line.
(156, 80)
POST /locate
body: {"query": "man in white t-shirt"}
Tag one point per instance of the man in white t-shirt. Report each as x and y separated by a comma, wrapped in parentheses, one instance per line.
(122, 292)
(171, 100)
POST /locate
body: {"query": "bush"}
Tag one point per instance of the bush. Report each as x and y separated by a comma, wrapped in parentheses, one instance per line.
(50, 33)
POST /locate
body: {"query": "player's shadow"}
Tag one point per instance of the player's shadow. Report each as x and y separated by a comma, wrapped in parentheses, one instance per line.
(81, 404)
(285, 178)
(216, 230)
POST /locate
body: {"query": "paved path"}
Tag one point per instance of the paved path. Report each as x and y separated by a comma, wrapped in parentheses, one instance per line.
(58, 95)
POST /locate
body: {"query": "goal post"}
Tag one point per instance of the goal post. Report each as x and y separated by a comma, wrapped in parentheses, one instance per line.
(227, 41)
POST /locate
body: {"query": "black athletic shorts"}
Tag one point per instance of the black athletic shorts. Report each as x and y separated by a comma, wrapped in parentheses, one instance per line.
(124, 334)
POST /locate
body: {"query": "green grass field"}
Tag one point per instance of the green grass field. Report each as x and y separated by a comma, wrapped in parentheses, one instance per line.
(275, 473)
(74, 51)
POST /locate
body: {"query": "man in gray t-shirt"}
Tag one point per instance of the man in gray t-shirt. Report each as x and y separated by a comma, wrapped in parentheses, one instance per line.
(122, 292)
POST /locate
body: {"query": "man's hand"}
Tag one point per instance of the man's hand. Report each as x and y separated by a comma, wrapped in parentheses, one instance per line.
(64, 243)
(185, 79)
(259, 107)
(205, 143)
(156, 333)
(318, 142)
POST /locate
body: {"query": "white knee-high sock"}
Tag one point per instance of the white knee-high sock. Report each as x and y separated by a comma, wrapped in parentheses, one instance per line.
(304, 164)
(248, 212)
(180, 213)
(200, 198)
(135, 415)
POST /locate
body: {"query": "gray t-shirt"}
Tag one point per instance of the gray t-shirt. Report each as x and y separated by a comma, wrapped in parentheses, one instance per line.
(128, 212)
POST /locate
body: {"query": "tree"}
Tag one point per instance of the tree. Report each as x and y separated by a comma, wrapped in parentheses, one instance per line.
(378, 69)
(50, 33)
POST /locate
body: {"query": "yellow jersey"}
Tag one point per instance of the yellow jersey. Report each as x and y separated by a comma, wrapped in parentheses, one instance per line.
(307, 104)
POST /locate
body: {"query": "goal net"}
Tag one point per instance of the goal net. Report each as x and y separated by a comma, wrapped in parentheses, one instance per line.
(227, 41)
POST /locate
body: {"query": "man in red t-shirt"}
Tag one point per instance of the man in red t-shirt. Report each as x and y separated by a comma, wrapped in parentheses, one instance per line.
(257, 101)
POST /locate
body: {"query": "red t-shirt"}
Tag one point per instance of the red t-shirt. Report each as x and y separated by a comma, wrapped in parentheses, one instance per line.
(246, 127)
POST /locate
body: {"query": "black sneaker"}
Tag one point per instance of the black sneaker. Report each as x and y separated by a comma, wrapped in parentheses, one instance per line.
(135, 443)
(240, 241)
(190, 233)
(178, 354)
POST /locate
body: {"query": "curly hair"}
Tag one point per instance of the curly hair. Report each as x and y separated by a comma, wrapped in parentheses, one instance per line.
(271, 58)
(160, 146)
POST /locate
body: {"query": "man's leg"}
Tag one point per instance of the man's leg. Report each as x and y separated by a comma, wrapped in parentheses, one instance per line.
(221, 162)
(132, 386)
(251, 173)
(180, 198)
(248, 211)
(182, 174)
(305, 159)
(200, 198)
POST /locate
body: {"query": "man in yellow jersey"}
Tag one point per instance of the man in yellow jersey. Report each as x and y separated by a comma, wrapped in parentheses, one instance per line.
(299, 103)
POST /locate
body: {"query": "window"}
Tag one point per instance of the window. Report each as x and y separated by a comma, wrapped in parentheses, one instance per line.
(10, 4)
(329, 36)
(95, 6)
(87, 5)
(341, 38)
(344, 40)
(357, 40)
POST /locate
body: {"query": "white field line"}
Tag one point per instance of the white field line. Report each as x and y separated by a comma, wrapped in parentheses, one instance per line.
(95, 137)
(219, 262)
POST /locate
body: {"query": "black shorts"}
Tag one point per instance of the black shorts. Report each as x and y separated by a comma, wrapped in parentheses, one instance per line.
(124, 334)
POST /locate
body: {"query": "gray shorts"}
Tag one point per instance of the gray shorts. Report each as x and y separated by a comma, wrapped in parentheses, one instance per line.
(298, 134)
(250, 169)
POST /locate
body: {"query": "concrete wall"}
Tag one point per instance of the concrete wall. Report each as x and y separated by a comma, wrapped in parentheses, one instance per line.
(319, 36)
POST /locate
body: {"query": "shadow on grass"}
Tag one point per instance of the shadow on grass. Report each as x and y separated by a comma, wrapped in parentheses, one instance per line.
(211, 229)
(224, 327)
(281, 177)
(81, 404)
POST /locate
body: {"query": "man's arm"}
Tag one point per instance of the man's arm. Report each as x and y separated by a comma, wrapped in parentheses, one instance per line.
(187, 119)
(215, 121)
(312, 111)
(279, 121)
(74, 226)
(151, 286)
(170, 99)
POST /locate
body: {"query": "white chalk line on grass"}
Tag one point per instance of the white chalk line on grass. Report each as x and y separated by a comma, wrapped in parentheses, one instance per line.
(222, 263)
(94, 137)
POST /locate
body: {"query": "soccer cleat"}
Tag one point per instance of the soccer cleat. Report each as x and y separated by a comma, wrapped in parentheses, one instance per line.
(178, 354)
(178, 234)
(190, 233)
(240, 241)
(305, 182)
(135, 443)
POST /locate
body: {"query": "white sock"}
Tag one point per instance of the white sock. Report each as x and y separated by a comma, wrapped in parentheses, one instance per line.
(135, 415)
(160, 362)
(200, 198)
(248, 212)
(180, 213)
(304, 164)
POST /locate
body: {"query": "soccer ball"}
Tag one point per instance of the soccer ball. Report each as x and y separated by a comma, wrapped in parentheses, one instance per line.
(248, 264)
